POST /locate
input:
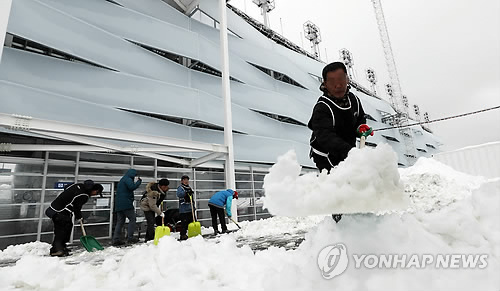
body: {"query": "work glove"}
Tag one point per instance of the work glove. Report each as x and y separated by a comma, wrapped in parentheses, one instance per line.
(77, 221)
(162, 215)
(364, 130)
(139, 179)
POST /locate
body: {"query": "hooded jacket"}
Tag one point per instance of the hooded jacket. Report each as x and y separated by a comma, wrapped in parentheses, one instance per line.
(154, 197)
(125, 191)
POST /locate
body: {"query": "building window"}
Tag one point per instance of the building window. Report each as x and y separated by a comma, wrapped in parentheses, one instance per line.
(37, 48)
(430, 146)
(185, 61)
(278, 76)
(390, 138)
(180, 120)
(280, 118)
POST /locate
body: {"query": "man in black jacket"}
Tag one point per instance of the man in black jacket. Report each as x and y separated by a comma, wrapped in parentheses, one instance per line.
(61, 210)
(337, 119)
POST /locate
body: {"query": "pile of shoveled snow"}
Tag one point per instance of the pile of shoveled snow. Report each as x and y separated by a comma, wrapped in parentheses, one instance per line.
(431, 184)
(469, 226)
(367, 181)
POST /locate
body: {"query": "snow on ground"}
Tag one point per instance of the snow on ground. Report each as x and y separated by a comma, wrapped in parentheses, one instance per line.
(368, 180)
(450, 213)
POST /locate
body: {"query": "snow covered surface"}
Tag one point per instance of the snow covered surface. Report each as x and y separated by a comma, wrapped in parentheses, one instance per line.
(449, 213)
(367, 181)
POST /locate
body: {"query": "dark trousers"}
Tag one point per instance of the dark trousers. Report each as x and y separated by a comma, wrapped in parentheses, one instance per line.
(186, 219)
(120, 221)
(214, 212)
(150, 228)
(62, 231)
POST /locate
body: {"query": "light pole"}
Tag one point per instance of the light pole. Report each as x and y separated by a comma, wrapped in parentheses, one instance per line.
(226, 93)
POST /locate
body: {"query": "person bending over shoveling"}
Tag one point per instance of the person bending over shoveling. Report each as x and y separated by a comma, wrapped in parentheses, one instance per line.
(216, 205)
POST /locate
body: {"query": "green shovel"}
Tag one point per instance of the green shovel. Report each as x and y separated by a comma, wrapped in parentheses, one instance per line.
(89, 242)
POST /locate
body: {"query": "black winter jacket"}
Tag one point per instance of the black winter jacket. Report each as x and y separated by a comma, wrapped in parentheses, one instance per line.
(72, 199)
(334, 127)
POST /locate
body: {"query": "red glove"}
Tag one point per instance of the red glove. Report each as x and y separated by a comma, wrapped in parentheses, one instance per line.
(365, 129)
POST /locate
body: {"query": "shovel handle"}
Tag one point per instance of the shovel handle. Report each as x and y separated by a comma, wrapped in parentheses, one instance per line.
(362, 141)
(162, 221)
(235, 223)
(192, 210)
(83, 229)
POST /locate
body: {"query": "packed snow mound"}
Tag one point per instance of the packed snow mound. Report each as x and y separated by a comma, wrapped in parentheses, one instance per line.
(14, 252)
(432, 185)
(367, 181)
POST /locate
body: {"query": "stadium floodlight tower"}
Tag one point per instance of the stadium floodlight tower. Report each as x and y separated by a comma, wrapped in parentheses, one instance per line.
(402, 111)
(346, 57)
(372, 78)
(312, 33)
(265, 6)
(416, 109)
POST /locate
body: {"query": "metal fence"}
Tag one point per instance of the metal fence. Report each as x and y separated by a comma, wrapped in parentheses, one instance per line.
(30, 181)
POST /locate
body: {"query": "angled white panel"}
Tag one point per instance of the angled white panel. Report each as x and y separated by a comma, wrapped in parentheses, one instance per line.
(132, 25)
(41, 23)
(157, 9)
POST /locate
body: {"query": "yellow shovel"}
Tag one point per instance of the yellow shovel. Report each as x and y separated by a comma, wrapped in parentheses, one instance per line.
(194, 228)
(161, 231)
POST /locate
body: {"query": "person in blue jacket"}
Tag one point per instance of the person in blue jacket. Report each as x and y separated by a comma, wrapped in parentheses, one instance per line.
(124, 207)
(216, 205)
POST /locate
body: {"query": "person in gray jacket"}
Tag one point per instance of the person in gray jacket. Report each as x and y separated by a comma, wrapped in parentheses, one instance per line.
(150, 203)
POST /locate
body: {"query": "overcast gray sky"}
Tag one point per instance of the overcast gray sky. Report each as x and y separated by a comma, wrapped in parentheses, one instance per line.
(447, 53)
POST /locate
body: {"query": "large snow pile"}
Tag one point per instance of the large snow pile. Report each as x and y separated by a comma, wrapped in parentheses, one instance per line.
(451, 214)
(367, 181)
(432, 185)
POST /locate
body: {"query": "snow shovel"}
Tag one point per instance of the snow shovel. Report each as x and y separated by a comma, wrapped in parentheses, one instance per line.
(89, 242)
(235, 222)
(194, 228)
(161, 231)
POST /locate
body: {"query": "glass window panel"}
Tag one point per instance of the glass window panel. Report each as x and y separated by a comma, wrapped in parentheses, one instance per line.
(208, 175)
(105, 158)
(213, 185)
(54, 181)
(144, 161)
(24, 210)
(18, 227)
(8, 168)
(259, 185)
(27, 182)
(243, 185)
(67, 169)
(258, 177)
(243, 177)
(65, 156)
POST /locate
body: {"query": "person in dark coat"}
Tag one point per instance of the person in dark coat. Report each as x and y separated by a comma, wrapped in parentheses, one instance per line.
(62, 209)
(124, 207)
(337, 119)
(216, 205)
(185, 195)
